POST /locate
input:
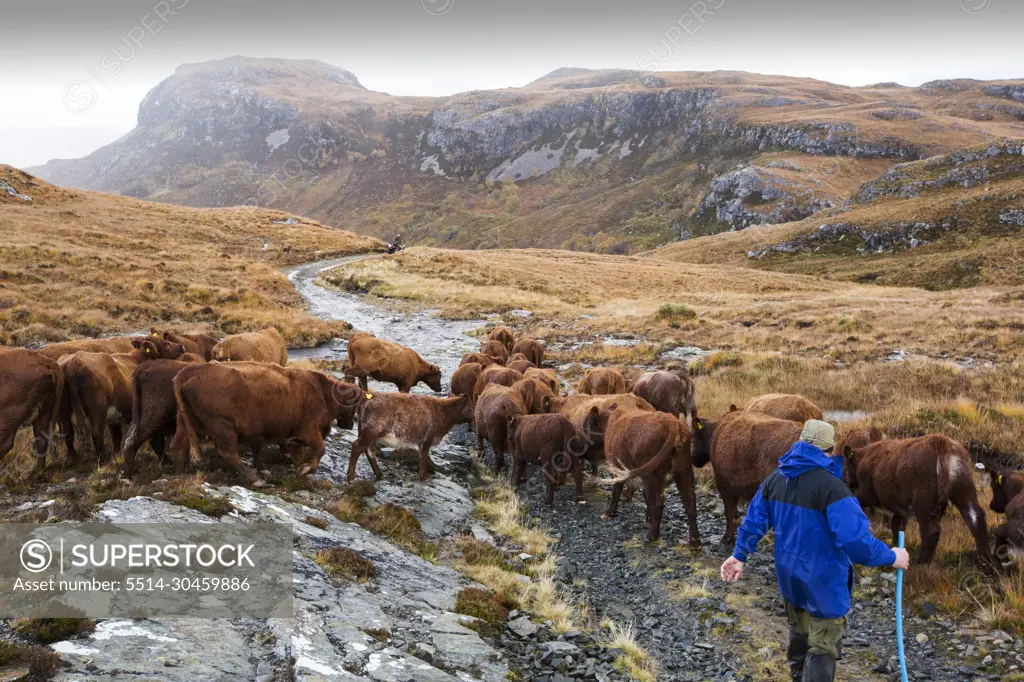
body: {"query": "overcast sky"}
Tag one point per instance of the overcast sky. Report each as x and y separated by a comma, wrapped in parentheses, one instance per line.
(54, 54)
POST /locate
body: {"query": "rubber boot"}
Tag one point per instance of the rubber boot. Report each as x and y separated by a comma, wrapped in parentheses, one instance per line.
(819, 668)
(796, 654)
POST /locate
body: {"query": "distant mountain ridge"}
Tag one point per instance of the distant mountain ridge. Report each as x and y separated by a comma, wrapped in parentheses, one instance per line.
(605, 160)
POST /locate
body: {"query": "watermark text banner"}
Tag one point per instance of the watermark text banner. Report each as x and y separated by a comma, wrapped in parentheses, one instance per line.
(143, 570)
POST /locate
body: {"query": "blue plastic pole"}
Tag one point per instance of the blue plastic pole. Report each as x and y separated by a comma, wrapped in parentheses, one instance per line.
(899, 616)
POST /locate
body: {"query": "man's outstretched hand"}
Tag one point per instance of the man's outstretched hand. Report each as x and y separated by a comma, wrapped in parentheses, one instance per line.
(732, 570)
(902, 559)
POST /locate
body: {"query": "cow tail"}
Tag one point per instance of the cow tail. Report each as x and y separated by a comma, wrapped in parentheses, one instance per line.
(186, 418)
(72, 379)
(621, 475)
(136, 407)
(947, 469)
(58, 397)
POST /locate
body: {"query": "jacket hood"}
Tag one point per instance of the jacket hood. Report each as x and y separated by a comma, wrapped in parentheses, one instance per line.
(804, 457)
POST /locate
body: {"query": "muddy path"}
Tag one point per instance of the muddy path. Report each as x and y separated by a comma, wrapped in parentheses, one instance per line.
(696, 627)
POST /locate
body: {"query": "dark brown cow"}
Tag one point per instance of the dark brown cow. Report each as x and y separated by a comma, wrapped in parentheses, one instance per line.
(578, 409)
(858, 438)
(784, 406)
(257, 403)
(196, 344)
(266, 345)
(548, 376)
(31, 385)
(114, 344)
(602, 381)
(495, 374)
(1008, 498)
(918, 476)
(478, 358)
(154, 410)
(650, 446)
(403, 420)
(531, 348)
(495, 406)
(520, 365)
(99, 387)
(743, 448)
(504, 335)
(669, 392)
(550, 441)
(380, 360)
(495, 350)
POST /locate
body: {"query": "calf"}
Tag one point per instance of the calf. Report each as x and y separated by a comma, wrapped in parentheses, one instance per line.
(464, 379)
(743, 448)
(548, 376)
(602, 381)
(650, 446)
(531, 348)
(402, 420)
(784, 406)
(495, 406)
(495, 350)
(370, 357)
(257, 403)
(196, 344)
(548, 440)
(479, 358)
(266, 345)
(918, 476)
(504, 335)
(99, 387)
(154, 410)
(1008, 498)
(495, 374)
(669, 392)
(858, 438)
(31, 385)
(518, 362)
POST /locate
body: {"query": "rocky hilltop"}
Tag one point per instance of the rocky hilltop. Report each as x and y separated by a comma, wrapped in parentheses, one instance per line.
(609, 160)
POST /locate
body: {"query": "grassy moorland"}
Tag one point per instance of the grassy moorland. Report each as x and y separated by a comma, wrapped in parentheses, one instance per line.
(76, 263)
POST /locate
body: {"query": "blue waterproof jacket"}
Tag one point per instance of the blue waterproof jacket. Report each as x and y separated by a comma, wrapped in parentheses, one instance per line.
(820, 531)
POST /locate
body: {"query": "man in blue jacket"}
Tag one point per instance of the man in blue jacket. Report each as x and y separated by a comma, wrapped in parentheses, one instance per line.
(820, 532)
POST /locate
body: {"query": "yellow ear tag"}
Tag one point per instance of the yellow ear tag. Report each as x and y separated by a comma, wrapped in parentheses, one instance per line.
(999, 480)
(699, 426)
(369, 396)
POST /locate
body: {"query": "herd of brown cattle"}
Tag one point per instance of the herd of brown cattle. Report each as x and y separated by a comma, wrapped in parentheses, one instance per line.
(193, 388)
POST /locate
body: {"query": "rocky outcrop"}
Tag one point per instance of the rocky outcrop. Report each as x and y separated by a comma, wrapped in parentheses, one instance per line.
(868, 240)
(755, 196)
(963, 168)
(1014, 92)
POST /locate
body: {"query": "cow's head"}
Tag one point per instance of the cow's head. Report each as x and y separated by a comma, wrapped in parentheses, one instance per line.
(1005, 487)
(703, 432)
(432, 378)
(155, 347)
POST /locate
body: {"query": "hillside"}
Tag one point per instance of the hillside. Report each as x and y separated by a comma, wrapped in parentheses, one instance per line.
(610, 161)
(947, 222)
(77, 263)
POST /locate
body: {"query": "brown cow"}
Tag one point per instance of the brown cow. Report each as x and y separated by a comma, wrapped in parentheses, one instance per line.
(99, 387)
(520, 365)
(196, 344)
(578, 409)
(401, 420)
(480, 358)
(504, 335)
(548, 376)
(602, 381)
(918, 476)
(669, 392)
(266, 345)
(784, 406)
(257, 403)
(550, 441)
(495, 406)
(380, 360)
(531, 348)
(114, 344)
(650, 446)
(31, 385)
(495, 350)
(1008, 498)
(858, 438)
(743, 448)
(464, 379)
(154, 410)
(495, 374)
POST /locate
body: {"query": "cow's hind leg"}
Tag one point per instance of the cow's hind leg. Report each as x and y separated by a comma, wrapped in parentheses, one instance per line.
(424, 461)
(966, 502)
(655, 497)
(42, 429)
(7, 434)
(731, 505)
(613, 506)
(684, 484)
(931, 529)
(227, 450)
(180, 446)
